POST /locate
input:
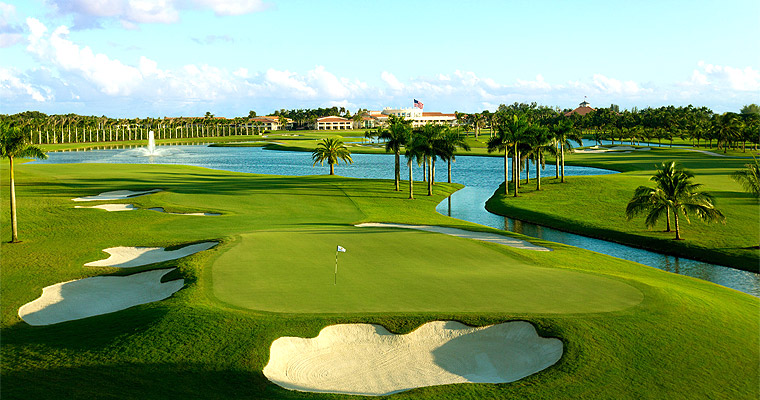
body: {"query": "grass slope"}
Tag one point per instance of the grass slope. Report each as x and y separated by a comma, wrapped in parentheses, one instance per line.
(595, 206)
(685, 338)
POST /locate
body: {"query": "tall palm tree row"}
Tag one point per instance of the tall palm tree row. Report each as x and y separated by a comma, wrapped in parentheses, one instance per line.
(564, 132)
(673, 192)
(331, 150)
(14, 143)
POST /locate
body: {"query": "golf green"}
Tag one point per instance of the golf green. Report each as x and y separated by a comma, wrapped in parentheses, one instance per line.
(395, 270)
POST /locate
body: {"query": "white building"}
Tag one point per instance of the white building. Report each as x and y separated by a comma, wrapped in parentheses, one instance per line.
(417, 116)
(332, 123)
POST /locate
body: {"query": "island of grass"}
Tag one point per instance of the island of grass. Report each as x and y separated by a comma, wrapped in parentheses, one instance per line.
(629, 331)
(595, 206)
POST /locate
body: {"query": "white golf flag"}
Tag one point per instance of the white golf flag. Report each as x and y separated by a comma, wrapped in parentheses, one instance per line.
(341, 249)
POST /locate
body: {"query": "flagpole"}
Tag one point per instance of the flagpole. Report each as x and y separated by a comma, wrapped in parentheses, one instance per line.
(335, 282)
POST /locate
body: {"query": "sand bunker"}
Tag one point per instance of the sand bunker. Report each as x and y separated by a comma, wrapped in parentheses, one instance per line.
(482, 236)
(87, 297)
(614, 150)
(161, 209)
(368, 360)
(115, 195)
(125, 257)
(112, 207)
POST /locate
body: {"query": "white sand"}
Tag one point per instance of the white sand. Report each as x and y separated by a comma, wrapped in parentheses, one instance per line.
(161, 209)
(482, 236)
(613, 150)
(115, 195)
(98, 295)
(368, 360)
(112, 207)
(124, 257)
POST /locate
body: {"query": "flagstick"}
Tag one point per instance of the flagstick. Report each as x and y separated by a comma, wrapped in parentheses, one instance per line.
(336, 268)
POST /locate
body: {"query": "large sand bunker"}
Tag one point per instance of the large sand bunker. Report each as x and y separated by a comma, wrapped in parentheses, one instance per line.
(112, 207)
(87, 297)
(482, 236)
(116, 195)
(125, 257)
(368, 360)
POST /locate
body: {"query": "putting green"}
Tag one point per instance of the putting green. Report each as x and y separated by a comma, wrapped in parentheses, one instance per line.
(397, 270)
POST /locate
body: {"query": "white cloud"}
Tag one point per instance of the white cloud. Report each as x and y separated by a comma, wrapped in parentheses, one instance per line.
(131, 13)
(10, 31)
(726, 77)
(614, 86)
(391, 81)
(233, 7)
(11, 86)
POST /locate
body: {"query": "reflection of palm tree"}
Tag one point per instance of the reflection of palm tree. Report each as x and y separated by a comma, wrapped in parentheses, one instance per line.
(674, 192)
(14, 143)
(331, 150)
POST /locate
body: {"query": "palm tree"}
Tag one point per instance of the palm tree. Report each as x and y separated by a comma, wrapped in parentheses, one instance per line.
(331, 150)
(15, 143)
(413, 152)
(727, 130)
(673, 192)
(541, 143)
(396, 137)
(508, 133)
(749, 178)
(564, 132)
(449, 142)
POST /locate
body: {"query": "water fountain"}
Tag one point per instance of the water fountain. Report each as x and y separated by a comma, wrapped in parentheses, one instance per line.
(151, 150)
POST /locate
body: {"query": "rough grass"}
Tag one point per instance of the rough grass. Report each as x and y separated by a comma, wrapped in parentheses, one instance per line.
(686, 338)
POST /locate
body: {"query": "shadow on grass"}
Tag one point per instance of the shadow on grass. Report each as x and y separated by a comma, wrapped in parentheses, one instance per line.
(142, 381)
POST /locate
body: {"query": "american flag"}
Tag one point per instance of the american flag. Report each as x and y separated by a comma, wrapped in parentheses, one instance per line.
(418, 104)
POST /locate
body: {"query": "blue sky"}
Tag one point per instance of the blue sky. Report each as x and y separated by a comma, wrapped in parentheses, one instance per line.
(127, 58)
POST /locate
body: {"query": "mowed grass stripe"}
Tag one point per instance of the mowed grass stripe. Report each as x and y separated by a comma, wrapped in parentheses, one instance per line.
(396, 270)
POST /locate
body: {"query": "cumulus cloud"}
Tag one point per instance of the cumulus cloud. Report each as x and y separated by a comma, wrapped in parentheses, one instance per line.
(392, 81)
(722, 77)
(131, 13)
(13, 85)
(11, 31)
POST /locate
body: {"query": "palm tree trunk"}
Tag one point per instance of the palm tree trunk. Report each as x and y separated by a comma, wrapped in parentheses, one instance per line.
(430, 176)
(506, 171)
(332, 169)
(449, 168)
(398, 171)
(667, 221)
(411, 181)
(675, 219)
(14, 228)
(516, 169)
(432, 170)
(562, 154)
(538, 171)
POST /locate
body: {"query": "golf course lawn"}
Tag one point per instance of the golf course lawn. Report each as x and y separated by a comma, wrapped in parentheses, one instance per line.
(629, 331)
(595, 206)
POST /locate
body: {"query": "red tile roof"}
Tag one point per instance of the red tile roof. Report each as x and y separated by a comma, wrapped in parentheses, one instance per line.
(332, 119)
(580, 110)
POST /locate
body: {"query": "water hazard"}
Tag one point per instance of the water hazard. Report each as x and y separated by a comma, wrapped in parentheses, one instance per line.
(480, 175)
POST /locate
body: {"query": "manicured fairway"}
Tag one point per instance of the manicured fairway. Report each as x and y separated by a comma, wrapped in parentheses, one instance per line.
(394, 270)
(628, 331)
